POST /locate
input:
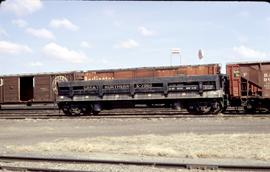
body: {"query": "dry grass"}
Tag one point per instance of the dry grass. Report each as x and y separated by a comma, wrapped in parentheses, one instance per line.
(246, 146)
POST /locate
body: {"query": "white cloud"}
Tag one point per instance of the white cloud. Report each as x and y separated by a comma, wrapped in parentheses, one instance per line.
(3, 32)
(85, 44)
(242, 39)
(20, 23)
(109, 12)
(40, 33)
(246, 52)
(146, 32)
(127, 44)
(117, 23)
(13, 48)
(62, 53)
(244, 14)
(35, 64)
(21, 7)
(63, 23)
(105, 61)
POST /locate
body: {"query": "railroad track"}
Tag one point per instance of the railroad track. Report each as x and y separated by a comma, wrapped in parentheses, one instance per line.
(128, 113)
(25, 169)
(152, 163)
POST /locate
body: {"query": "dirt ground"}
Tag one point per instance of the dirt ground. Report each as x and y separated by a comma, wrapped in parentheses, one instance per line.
(23, 132)
(108, 168)
(214, 138)
(233, 146)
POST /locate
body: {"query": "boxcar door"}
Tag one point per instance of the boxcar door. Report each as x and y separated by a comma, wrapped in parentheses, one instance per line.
(11, 89)
(26, 86)
(42, 88)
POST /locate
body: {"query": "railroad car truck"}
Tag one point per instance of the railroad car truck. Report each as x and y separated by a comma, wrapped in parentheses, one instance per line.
(249, 85)
(199, 94)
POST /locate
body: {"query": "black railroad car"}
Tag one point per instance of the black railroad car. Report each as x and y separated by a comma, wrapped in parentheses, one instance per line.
(198, 94)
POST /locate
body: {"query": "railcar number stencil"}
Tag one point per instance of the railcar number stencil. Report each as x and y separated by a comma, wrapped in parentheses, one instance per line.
(266, 80)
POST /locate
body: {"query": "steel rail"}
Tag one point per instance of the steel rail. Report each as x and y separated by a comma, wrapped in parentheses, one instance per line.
(31, 169)
(54, 108)
(117, 111)
(126, 116)
(121, 114)
(123, 111)
(23, 117)
(139, 163)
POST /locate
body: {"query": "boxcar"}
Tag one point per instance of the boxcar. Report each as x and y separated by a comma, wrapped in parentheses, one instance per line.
(249, 85)
(146, 72)
(33, 88)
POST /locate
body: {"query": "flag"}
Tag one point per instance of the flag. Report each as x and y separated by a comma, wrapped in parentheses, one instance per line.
(200, 54)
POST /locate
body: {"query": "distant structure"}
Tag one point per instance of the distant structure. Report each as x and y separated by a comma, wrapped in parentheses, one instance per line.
(200, 54)
(177, 52)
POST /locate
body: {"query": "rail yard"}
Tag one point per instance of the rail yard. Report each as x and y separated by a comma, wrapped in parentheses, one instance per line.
(134, 86)
(214, 143)
(148, 119)
(199, 89)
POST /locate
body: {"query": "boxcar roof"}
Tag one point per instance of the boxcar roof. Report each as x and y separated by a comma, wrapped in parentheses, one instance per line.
(101, 70)
(249, 62)
(152, 67)
(116, 69)
(37, 74)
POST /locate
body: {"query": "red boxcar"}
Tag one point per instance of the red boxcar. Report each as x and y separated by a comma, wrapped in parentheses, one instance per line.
(249, 84)
(32, 88)
(165, 71)
(41, 88)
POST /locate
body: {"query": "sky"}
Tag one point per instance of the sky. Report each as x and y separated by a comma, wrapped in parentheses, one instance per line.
(53, 36)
